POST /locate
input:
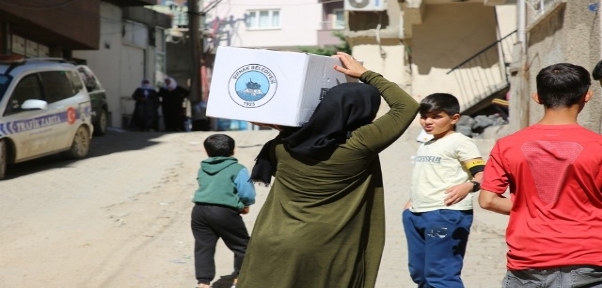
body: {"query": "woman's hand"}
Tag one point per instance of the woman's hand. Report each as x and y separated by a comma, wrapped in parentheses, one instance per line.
(351, 67)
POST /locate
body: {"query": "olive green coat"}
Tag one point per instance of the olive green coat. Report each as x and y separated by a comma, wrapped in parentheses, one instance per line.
(323, 225)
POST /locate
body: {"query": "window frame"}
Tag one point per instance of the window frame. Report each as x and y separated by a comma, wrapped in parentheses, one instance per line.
(256, 23)
(50, 83)
(89, 80)
(10, 109)
(334, 25)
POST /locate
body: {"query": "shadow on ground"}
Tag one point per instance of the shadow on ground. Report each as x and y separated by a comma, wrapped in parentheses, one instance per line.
(223, 282)
(112, 142)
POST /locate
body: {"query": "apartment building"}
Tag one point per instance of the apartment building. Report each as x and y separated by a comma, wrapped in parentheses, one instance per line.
(428, 46)
(48, 28)
(271, 24)
(130, 47)
(555, 31)
(116, 38)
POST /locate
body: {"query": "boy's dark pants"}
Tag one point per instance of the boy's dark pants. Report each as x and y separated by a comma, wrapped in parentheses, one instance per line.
(209, 223)
(436, 246)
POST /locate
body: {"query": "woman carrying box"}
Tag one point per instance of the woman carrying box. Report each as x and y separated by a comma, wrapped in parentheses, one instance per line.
(323, 224)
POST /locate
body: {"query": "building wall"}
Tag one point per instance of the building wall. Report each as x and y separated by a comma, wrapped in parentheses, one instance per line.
(444, 40)
(506, 17)
(299, 22)
(440, 42)
(74, 26)
(570, 33)
(119, 64)
(388, 58)
(327, 26)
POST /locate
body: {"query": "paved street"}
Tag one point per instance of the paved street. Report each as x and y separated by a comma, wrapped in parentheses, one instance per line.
(120, 218)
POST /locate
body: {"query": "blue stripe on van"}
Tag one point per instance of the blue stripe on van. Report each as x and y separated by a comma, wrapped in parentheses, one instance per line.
(33, 124)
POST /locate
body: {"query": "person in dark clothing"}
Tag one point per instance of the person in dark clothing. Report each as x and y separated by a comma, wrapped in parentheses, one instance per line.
(323, 221)
(224, 193)
(172, 99)
(145, 116)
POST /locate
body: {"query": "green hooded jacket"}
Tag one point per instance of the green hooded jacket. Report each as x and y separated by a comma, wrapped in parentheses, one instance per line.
(216, 182)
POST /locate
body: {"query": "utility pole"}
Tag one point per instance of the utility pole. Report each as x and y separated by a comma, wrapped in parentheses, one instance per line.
(195, 26)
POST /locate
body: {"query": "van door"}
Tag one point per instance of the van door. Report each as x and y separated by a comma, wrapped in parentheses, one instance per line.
(69, 101)
(27, 128)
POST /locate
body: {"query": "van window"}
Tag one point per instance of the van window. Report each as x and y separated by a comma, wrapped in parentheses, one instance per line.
(76, 82)
(4, 81)
(27, 88)
(89, 79)
(57, 86)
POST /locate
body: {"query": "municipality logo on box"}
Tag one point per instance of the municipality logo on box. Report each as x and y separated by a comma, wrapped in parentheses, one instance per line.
(252, 85)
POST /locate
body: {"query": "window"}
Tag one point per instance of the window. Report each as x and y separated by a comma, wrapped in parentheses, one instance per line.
(4, 81)
(27, 88)
(91, 83)
(57, 86)
(76, 81)
(135, 33)
(339, 19)
(263, 19)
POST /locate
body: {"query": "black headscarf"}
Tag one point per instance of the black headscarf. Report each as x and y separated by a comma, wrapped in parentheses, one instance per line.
(345, 107)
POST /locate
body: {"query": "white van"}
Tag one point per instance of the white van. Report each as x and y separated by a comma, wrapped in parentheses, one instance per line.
(44, 109)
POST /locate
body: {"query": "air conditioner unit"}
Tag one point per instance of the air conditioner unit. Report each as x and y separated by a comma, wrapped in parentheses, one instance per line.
(365, 5)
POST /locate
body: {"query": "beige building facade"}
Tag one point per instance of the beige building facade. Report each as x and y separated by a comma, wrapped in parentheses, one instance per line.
(556, 31)
(421, 45)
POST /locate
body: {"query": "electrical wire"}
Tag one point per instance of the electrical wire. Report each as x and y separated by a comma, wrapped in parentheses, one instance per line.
(210, 6)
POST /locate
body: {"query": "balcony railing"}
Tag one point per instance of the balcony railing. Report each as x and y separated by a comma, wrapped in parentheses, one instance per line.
(485, 73)
(332, 25)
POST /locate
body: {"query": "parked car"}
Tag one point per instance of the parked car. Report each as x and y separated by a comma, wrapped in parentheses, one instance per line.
(44, 109)
(100, 110)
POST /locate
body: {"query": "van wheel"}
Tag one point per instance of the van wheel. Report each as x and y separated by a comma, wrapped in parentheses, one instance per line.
(80, 145)
(100, 127)
(3, 158)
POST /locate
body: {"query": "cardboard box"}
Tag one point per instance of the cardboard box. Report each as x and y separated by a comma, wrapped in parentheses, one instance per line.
(272, 87)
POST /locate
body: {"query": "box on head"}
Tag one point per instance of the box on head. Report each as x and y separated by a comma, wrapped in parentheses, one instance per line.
(272, 87)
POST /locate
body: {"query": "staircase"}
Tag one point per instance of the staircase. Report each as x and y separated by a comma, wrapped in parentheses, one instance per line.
(484, 76)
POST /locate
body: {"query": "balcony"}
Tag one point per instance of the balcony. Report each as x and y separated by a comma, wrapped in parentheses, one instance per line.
(326, 35)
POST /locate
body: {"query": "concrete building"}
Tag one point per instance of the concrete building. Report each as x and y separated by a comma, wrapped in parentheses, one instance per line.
(263, 23)
(428, 46)
(130, 47)
(555, 31)
(119, 39)
(48, 28)
(268, 24)
(272, 24)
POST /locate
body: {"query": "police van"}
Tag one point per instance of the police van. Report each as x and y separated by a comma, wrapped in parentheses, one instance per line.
(44, 109)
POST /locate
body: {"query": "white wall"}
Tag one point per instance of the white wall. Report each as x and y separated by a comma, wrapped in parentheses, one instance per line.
(119, 64)
(299, 22)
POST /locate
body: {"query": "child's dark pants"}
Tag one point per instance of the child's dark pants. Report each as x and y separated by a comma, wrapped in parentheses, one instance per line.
(209, 223)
